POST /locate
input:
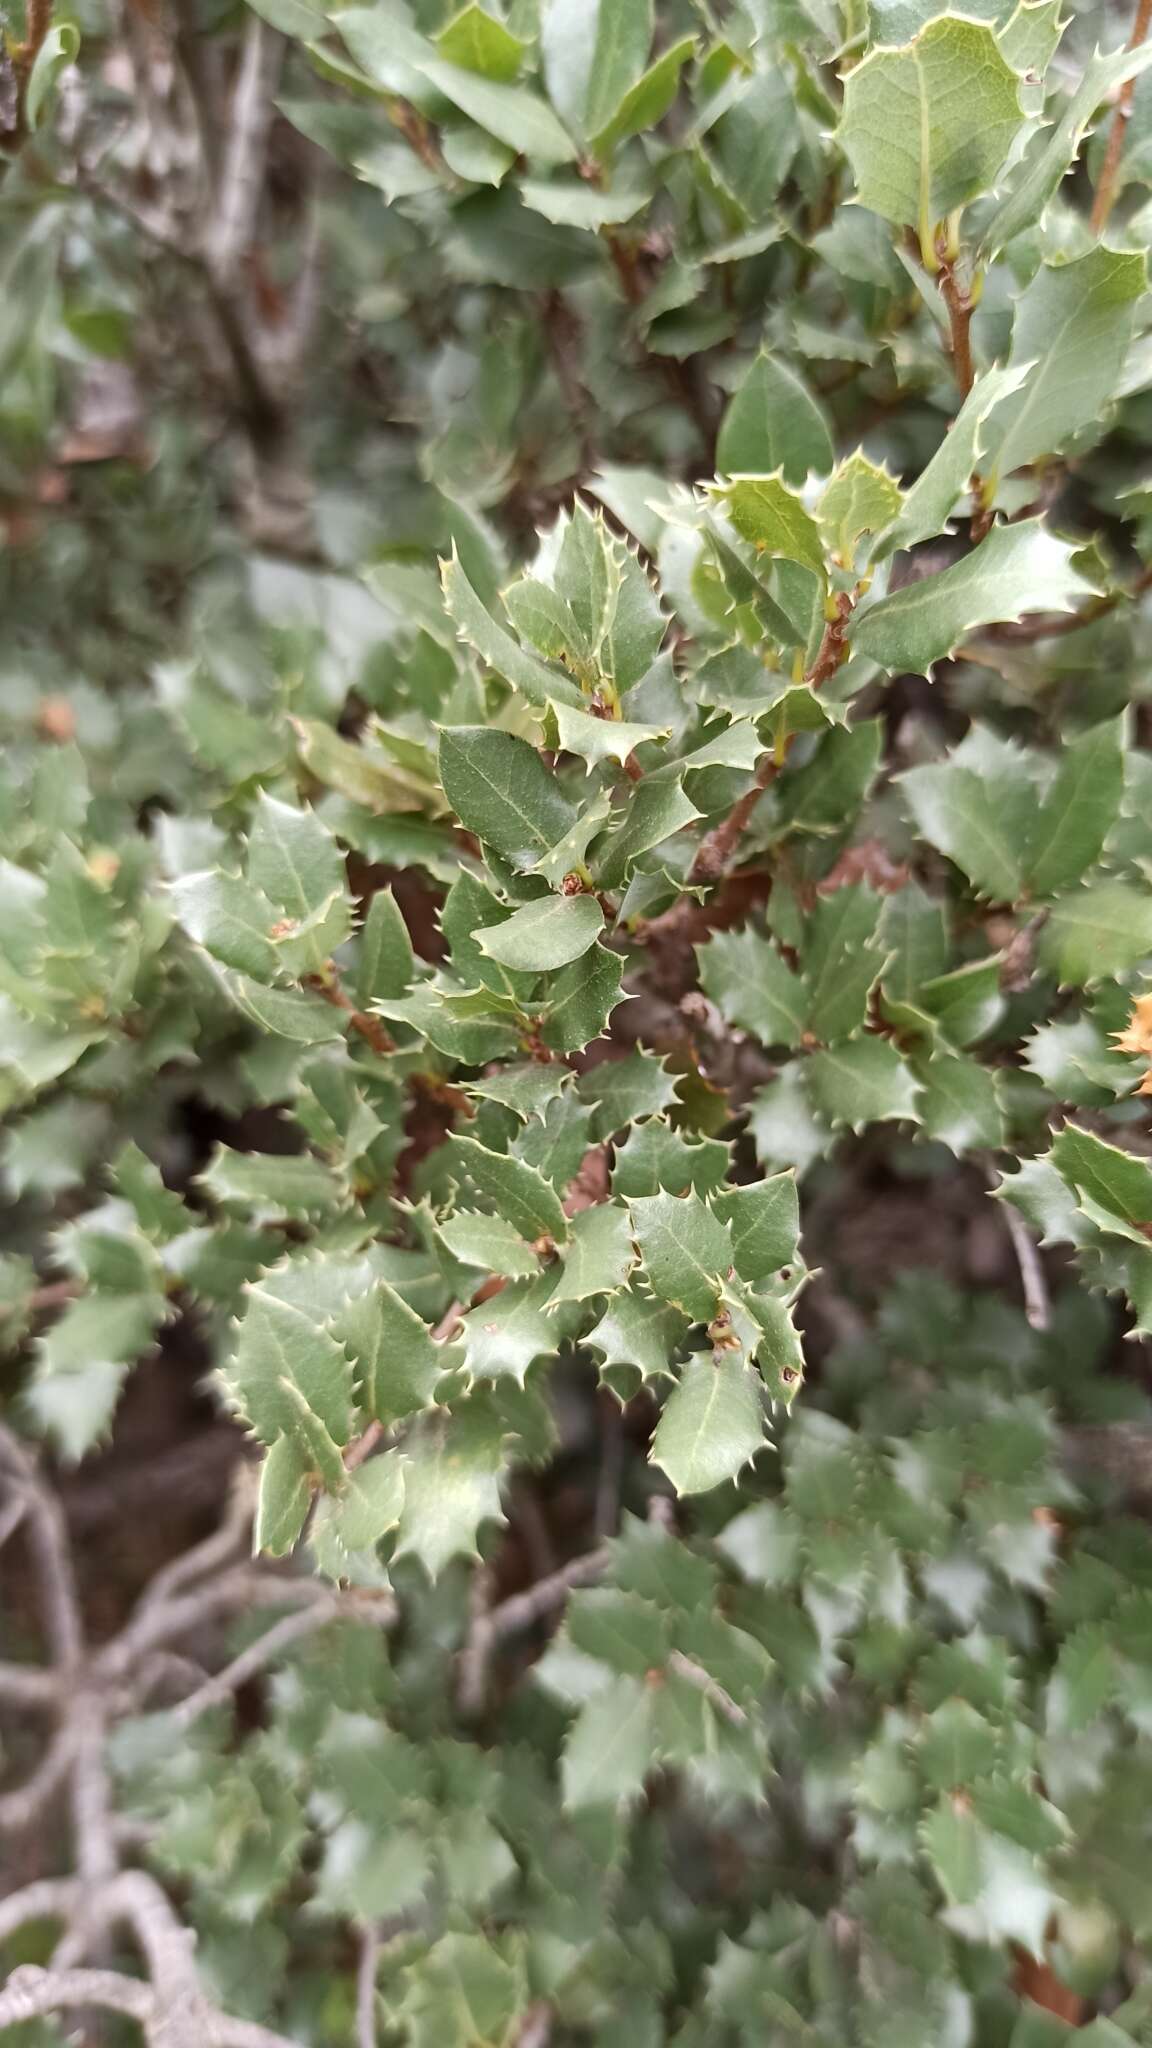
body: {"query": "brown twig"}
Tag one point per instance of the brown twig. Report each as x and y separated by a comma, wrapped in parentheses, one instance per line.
(1037, 1305)
(695, 1674)
(1106, 189)
(960, 307)
(490, 1626)
(291, 1628)
(370, 1028)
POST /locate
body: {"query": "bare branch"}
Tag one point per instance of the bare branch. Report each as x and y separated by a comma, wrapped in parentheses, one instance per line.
(20, 1807)
(245, 149)
(492, 1626)
(33, 1994)
(695, 1674)
(1037, 1304)
(26, 1686)
(49, 1542)
(535, 2029)
(1106, 189)
(290, 1629)
(217, 1549)
(52, 1898)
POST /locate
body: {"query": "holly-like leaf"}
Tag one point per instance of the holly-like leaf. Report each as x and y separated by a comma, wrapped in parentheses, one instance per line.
(931, 500)
(711, 1425)
(598, 1257)
(862, 1081)
(928, 127)
(638, 1330)
(1079, 810)
(545, 934)
(1096, 932)
(1073, 323)
(860, 497)
(772, 422)
(385, 964)
(536, 682)
(289, 1377)
(1018, 569)
(580, 1000)
(490, 1242)
(625, 1091)
(394, 1359)
(285, 1498)
(753, 986)
(763, 1219)
(521, 1194)
(958, 1103)
(1118, 1183)
(500, 789)
(773, 518)
(687, 1251)
(479, 42)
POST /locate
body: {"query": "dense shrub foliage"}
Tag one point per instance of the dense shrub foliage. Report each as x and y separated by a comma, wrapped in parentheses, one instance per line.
(577, 834)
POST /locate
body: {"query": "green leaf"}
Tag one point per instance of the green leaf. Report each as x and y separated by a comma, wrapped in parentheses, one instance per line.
(503, 1337)
(363, 773)
(772, 422)
(267, 1186)
(477, 41)
(928, 127)
(958, 1103)
(623, 1091)
(1097, 932)
(765, 512)
(609, 1750)
(230, 919)
(370, 1505)
(859, 498)
(1079, 810)
(452, 1467)
(511, 113)
(1019, 569)
(500, 789)
(581, 999)
(952, 1840)
(395, 1362)
(647, 101)
(293, 859)
(958, 811)
(623, 1630)
(933, 497)
(289, 1377)
(496, 648)
(657, 810)
(598, 1257)
(285, 1498)
(1074, 324)
(548, 933)
(1117, 1182)
(385, 965)
(520, 1193)
(59, 48)
(862, 1082)
(753, 987)
(527, 1090)
(640, 1331)
(1050, 157)
(488, 1241)
(601, 739)
(711, 1425)
(840, 964)
(687, 1251)
(653, 1156)
(764, 1224)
